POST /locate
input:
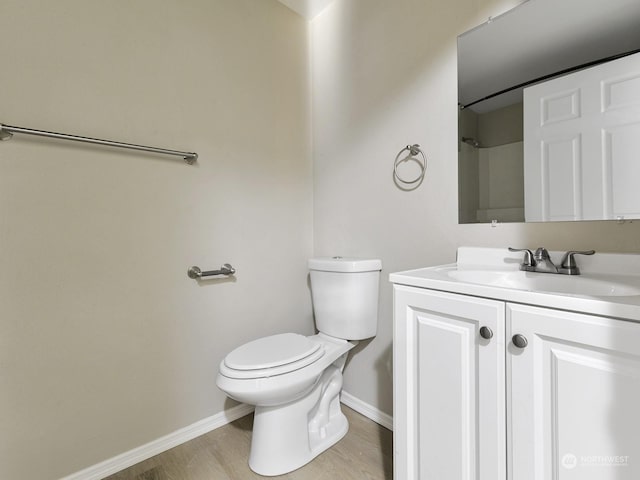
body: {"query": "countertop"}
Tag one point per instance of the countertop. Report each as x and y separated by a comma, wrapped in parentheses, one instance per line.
(486, 263)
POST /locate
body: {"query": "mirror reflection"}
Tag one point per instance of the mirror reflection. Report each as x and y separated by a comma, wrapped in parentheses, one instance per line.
(549, 97)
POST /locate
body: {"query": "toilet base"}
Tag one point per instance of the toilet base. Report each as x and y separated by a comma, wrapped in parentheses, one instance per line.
(286, 437)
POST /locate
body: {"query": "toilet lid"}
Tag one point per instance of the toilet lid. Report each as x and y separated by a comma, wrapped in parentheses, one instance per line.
(270, 352)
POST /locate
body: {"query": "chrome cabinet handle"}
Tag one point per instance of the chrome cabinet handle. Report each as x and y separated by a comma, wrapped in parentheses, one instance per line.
(486, 333)
(195, 272)
(520, 341)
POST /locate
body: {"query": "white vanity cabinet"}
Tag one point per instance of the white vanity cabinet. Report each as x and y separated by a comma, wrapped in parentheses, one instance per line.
(449, 390)
(573, 396)
(565, 406)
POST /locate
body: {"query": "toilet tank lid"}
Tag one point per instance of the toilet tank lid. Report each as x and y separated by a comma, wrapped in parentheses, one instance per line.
(345, 264)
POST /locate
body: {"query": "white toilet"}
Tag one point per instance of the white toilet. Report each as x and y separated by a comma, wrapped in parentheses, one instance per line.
(295, 381)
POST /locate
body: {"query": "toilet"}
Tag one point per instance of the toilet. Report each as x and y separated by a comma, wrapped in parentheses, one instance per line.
(295, 381)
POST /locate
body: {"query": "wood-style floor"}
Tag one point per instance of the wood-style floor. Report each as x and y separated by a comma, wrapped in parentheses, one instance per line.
(363, 454)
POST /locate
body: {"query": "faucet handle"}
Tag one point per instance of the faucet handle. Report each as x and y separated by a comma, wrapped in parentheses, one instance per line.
(568, 263)
(528, 262)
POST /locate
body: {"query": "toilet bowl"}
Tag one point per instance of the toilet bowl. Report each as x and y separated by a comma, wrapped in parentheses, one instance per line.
(295, 381)
(287, 431)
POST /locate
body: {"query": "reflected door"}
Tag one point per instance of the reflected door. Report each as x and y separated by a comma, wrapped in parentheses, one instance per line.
(581, 143)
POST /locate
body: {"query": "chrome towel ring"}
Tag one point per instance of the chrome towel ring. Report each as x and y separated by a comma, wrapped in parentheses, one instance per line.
(413, 151)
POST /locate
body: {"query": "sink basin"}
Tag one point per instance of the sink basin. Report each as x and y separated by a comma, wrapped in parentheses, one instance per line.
(547, 282)
(609, 284)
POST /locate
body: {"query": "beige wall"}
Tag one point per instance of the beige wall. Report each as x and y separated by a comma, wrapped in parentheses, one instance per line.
(105, 344)
(501, 126)
(384, 76)
(468, 168)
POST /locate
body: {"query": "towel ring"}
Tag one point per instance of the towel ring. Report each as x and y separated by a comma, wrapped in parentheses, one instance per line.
(413, 151)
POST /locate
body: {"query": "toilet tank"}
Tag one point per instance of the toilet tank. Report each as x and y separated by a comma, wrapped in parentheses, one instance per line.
(345, 296)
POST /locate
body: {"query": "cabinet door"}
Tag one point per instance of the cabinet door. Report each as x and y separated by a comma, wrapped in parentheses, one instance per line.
(449, 387)
(573, 396)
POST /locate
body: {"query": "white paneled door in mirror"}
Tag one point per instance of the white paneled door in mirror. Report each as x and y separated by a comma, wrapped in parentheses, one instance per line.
(581, 143)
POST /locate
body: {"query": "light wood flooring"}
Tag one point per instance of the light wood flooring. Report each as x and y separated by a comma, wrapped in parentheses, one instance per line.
(363, 454)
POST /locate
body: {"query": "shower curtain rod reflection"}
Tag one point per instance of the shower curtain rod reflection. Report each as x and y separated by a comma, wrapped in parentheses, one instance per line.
(549, 76)
(7, 131)
(476, 144)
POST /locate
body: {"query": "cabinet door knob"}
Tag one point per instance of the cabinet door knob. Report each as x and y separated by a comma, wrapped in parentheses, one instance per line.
(486, 333)
(519, 341)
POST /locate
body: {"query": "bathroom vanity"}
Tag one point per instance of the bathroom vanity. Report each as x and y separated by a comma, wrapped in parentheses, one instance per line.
(506, 374)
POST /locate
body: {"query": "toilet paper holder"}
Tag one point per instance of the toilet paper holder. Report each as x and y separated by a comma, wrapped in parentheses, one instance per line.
(195, 272)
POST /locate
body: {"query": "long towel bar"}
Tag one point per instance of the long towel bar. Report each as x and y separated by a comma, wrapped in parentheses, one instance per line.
(7, 131)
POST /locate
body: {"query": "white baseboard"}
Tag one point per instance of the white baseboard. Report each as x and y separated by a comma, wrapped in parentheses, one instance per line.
(127, 459)
(369, 411)
(162, 444)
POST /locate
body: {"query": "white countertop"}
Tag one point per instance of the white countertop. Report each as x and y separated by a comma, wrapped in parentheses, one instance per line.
(485, 265)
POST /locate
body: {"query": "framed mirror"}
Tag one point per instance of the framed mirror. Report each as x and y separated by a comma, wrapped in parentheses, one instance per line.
(549, 110)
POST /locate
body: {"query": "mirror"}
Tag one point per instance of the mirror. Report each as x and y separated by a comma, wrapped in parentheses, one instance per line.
(549, 45)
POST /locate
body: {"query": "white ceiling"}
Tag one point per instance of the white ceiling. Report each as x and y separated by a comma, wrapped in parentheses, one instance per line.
(309, 9)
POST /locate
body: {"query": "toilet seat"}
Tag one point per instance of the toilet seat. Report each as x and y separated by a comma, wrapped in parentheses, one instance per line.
(270, 356)
(280, 385)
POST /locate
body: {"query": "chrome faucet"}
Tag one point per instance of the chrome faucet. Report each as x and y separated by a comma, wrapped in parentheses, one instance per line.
(544, 264)
(541, 262)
